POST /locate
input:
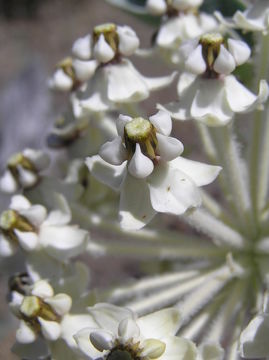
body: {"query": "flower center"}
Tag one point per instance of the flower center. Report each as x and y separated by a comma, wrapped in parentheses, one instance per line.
(109, 31)
(211, 47)
(118, 354)
(140, 131)
(175, 9)
(19, 160)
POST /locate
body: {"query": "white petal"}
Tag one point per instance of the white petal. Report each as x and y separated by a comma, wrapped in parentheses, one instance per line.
(162, 122)
(238, 96)
(84, 70)
(62, 213)
(109, 175)
(254, 339)
(82, 47)
(121, 122)
(36, 214)
(38, 158)
(186, 4)
(19, 202)
(128, 40)
(26, 178)
(102, 339)
(128, 329)
(125, 83)
(25, 334)
(159, 82)
(225, 63)
(240, 51)
(7, 248)
(195, 62)
(188, 47)
(172, 191)
(135, 207)
(51, 330)
(82, 339)
(61, 81)
(28, 240)
(109, 316)
(63, 242)
(113, 152)
(200, 173)
(140, 165)
(61, 303)
(211, 351)
(103, 52)
(178, 348)
(8, 183)
(42, 289)
(168, 147)
(152, 349)
(160, 324)
(156, 7)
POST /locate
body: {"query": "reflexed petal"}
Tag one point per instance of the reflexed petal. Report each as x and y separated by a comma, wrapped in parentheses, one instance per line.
(128, 41)
(172, 191)
(102, 339)
(179, 349)
(61, 303)
(82, 339)
(135, 206)
(63, 242)
(109, 316)
(159, 82)
(128, 329)
(156, 7)
(42, 289)
(225, 63)
(19, 202)
(195, 62)
(25, 334)
(162, 122)
(36, 214)
(103, 52)
(200, 173)
(7, 248)
(254, 339)
(168, 147)
(61, 81)
(121, 122)
(240, 50)
(188, 47)
(62, 213)
(84, 69)
(160, 324)
(125, 84)
(140, 165)
(8, 183)
(153, 349)
(51, 330)
(113, 152)
(82, 47)
(27, 240)
(109, 175)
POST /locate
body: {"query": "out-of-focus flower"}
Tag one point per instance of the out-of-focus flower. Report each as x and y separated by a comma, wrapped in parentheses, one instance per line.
(33, 228)
(22, 170)
(121, 334)
(144, 164)
(208, 92)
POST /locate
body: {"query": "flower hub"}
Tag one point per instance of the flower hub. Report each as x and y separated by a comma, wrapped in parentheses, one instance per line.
(19, 159)
(109, 31)
(11, 220)
(33, 307)
(210, 48)
(118, 354)
(140, 131)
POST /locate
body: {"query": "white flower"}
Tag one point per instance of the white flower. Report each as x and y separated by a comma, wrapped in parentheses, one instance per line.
(254, 18)
(31, 227)
(254, 338)
(22, 170)
(161, 7)
(143, 163)
(121, 334)
(208, 92)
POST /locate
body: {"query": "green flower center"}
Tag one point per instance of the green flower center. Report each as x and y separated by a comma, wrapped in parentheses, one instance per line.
(210, 48)
(109, 31)
(121, 355)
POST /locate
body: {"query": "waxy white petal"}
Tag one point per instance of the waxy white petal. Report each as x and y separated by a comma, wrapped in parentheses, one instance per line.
(162, 122)
(186, 4)
(156, 7)
(7, 248)
(168, 147)
(38, 158)
(109, 175)
(26, 178)
(128, 330)
(159, 82)
(211, 351)
(82, 47)
(113, 152)
(8, 184)
(121, 122)
(84, 70)
(42, 289)
(82, 339)
(25, 334)
(140, 165)
(61, 81)
(128, 40)
(195, 62)
(178, 348)
(240, 50)
(103, 52)
(61, 303)
(102, 339)
(225, 62)
(135, 206)
(36, 214)
(51, 330)
(19, 203)
(28, 240)
(153, 349)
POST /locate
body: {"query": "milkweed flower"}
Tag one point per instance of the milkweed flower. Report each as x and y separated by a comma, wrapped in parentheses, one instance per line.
(33, 228)
(143, 162)
(207, 91)
(121, 334)
(22, 170)
(181, 21)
